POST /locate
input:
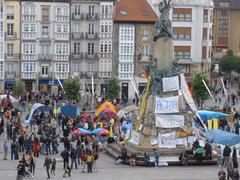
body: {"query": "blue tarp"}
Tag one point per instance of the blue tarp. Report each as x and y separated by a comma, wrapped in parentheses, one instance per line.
(126, 127)
(37, 107)
(70, 110)
(207, 115)
(85, 131)
(222, 137)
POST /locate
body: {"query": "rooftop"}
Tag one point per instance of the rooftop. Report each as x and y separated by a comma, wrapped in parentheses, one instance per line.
(134, 11)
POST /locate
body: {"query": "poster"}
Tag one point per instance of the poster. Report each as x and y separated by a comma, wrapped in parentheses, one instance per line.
(166, 105)
(169, 121)
(167, 140)
(170, 84)
(135, 138)
(154, 141)
(187, 95)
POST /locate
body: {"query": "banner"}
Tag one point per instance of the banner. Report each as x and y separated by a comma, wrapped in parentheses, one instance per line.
(187, 95)
(166, 105)
(169, 121)
(135, 138)
(167, 140)
(154, 141)
(170, 84)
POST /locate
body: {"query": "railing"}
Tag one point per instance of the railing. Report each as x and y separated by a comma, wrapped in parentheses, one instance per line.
(30, 57)
(29, 35)
(148, 57)
(61, 75)
(77, 56)
(91, 36)
(93, 56)
(91, 17)
(62, 18)
(29, 17)
(105, 35)
(45, 36)
(77, 16)
(11, 36)
(29, 75)
(59, 57)
(105, 74)
(106, 16)
(12, 55)
(77, 35)
(63, 36)
(10, 74)
(49, 75)
(45, 57)
(105, 55)
(89, 75)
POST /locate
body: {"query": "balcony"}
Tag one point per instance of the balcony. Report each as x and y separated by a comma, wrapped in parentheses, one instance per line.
(106, 16)
(105, 55)
(11, 35)
(10, 75)
(77, 16)
(29, 17)
(89, 75)
(92, 17)
(45, 57)
(91, 36)
(77, 56)
(105, 35)
(60, 57)
(62, 18)
(93, 56)
(78, 35)
(45, 36)
(104, 74)
(45, 76)
(61, 75)
(62, 36)
(29, 35)
(9, 56)
(29, 75)
(29, 57)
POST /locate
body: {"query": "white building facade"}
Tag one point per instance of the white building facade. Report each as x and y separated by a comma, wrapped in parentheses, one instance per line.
(1, 46)
(45, 47)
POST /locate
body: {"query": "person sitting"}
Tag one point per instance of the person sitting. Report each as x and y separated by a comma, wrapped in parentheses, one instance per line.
(208, 150)
(199, 154)
(221, 174)
(123, 157)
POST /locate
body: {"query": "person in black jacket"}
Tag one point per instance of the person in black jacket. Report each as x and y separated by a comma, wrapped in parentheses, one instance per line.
(226, 154)
(20, 170)
(73, 158)
(47, 164)
(65, 156)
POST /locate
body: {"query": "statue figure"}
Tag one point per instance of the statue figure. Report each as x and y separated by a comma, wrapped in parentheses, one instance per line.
(163, 25)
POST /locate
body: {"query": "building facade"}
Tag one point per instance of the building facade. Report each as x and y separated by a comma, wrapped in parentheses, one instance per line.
(45, 44)
(1, 46)
(133, 44)
(226, 29)
(91, 42)
(12, 42)
(192, 33)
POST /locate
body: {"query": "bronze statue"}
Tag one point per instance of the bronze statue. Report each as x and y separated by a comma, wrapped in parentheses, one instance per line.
(163, 25)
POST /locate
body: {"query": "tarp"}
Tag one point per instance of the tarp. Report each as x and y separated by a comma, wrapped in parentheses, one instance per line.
(4, 96)
(37, 107)
(207, 115)
(105, 105)
(222, 137)
(70, 110)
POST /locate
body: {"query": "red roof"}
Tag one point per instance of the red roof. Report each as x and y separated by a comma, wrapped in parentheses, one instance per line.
(134, 11)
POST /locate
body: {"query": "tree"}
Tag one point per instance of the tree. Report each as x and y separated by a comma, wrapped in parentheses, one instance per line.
(200, 92)
(112, 89)
(229, 62)
(72, 87)
(19, 89)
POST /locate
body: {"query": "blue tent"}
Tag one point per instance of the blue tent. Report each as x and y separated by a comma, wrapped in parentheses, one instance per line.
(70, 110)
(222, 137)
(207, 115)
(37, 107)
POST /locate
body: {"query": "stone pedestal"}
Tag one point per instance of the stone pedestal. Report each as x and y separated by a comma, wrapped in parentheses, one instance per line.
(163, 52)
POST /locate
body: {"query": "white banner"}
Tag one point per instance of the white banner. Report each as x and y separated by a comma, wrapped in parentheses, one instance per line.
(135, 138)
(166, 105)
(167, 140)
(169, 121)
(170, 84)
(187, 95)
(154, 141)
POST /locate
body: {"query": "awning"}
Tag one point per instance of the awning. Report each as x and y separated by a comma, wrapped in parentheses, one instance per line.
(49, 82)
(10, 82)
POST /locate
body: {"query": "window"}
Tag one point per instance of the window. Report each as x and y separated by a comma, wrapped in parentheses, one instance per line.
(91, 10)
(10, 12)
(145, 33)
(145, 51)
(61, 67)
(90, 28)
(62, 49)
(105, 46)
(29, 27)
(10, 29)
(182, 14)
(76, 27)
(45, 30)
(9, 50)
(90, 48)
(62, 11)
(62, 28)
(76, 48)
(1, 70)
(28, 10)
(29, 67)
(90, 67)
(10, 69)
(44, 70)
(45, 13)
(29, 48)
(182, 33)
(77, 10)
(45, 50)
(76, 67)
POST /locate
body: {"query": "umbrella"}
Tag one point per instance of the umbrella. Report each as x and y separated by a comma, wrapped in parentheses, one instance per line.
(106, 105)
(4, 96)
(76, 132)
(95, 131)
(84, 131)
(103, 132)
(207, 115)
(107, 114)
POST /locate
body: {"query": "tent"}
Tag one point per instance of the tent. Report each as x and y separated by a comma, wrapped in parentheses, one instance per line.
(207, 115)
(70, 110)
(105, 105)
(222, 137)
(4, 96)
(37, 107)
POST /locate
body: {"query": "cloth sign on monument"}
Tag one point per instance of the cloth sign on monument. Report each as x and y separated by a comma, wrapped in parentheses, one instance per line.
(135, 138)
(170, 84)
(169, 121)
(167, 105)
(167, 140)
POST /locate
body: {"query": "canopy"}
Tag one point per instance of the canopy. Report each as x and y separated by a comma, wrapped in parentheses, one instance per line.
(4, 96)
(222, 137)
(84, 131)
(105, 105)
(37, 107)
(207, 115)
(98, 131)
(103, 132)
(106, 113)
(70, 110)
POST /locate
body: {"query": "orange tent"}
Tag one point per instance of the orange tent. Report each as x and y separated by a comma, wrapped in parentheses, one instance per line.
(103, 106)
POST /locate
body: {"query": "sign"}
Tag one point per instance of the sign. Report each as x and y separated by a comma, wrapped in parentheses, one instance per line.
(167, 140)
(166, 105)
(170, 84)
(154, 141)
(169, 121)
(187, 95)
(135, 138)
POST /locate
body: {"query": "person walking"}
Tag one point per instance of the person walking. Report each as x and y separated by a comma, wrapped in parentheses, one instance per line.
(32, 164)
(156, 156)
(230, 169)
(90, 160)
(13, 150)
(53, 167)
(65, 156)
(47, 164)
(20, 170)
(73, 158)
(5, 149)
(226, 155)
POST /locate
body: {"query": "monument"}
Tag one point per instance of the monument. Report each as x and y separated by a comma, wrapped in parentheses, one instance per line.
(164, 123)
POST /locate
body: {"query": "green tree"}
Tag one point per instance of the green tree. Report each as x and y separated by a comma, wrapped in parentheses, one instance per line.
(19, 89)
(228, 62)
(200, 92)
(112, 89)
(72, 87)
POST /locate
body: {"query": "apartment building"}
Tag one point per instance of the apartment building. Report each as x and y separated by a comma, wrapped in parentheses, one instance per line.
(226, 29)
(12, 42)
(192, 33)
(1, 46)
(91, 42)
(45, 44)
(133, 43)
